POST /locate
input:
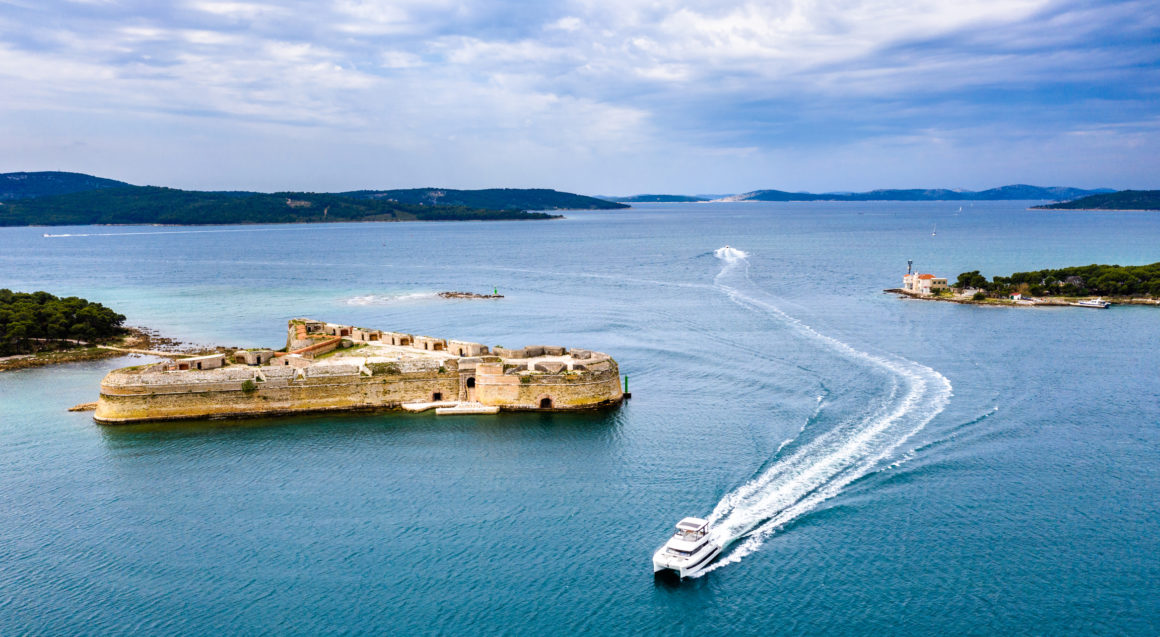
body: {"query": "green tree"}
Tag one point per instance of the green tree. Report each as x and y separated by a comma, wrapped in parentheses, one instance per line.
(971, 279)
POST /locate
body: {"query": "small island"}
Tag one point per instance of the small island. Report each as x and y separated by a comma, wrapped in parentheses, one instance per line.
(469, 295)
(1123, 200)
(333, 367)
(1084, 286)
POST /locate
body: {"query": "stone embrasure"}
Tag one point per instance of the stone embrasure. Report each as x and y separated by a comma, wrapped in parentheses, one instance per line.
(321, 370)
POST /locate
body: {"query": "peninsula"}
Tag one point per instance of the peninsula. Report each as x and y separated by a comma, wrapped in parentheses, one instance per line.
(1123, 200)
(1087, 286)
(1003, 193)
(332, 367)
(54, 198)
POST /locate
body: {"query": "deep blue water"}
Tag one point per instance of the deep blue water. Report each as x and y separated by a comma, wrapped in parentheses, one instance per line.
(883, 466)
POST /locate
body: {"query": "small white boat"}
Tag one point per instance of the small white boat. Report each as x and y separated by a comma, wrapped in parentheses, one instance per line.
(688, 551)
(932, 231)
(1098, 303)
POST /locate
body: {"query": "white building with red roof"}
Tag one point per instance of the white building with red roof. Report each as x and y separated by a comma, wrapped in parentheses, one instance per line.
(923, 283)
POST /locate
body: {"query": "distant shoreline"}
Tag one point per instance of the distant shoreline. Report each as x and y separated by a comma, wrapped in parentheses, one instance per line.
(277, 223)
(140, 341)
(1094, 209)
(1028, 302)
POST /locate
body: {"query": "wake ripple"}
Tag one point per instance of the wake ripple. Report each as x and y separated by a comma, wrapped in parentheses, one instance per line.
(390, 299)
(813, 471)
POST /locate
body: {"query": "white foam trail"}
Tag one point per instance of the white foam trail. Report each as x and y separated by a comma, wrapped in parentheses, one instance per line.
(388, 299)
(730, 254)
(818, 469)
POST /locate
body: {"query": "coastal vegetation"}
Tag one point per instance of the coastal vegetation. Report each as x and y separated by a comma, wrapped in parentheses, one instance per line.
(155, 205)
(1003, 193)
(39, 321)
(1123, 200)
(25, 185)
(659, 199)
(1087, 280)
(489, 198)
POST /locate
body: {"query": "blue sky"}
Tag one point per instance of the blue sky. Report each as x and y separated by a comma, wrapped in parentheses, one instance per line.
(593, 96)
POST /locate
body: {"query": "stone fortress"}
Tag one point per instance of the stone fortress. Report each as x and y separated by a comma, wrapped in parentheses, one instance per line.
(331, 367)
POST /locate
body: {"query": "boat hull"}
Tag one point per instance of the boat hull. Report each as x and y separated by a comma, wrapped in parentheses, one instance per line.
(684, 568)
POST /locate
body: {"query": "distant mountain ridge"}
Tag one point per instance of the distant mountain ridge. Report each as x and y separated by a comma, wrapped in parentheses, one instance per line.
(29, 185)
(1003, 193)
(25, 185)
(657, 199)
(1123, 200)
(60, 198)
(137, 205)
(490, 198)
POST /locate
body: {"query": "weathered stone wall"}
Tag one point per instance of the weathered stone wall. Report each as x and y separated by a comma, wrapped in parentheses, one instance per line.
(565, 390)
(247, 391)
(132, 397)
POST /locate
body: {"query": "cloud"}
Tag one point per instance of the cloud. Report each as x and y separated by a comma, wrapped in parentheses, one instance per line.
(590, 93)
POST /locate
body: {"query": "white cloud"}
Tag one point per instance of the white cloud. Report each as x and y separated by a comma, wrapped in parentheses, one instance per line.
(240, 10)
(400, 60)
(711, 81)
(567, 23)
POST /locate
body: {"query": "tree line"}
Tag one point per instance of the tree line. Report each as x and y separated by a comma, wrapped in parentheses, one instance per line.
(1085, 280)
(34, 321)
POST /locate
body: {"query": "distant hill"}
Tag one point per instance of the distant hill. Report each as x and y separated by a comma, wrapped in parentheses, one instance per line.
(153, 205)
(658, 199)
(15, 186)
(490, 198)
(1123, 200)
(1004, 193)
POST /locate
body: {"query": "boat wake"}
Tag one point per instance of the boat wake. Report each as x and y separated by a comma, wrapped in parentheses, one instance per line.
(390, 299)
(807, 471)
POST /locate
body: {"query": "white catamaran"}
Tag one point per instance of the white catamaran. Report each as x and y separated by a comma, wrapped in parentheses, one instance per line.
(688, 551)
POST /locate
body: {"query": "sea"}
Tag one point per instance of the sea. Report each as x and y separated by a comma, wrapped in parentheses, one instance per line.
(876, 465)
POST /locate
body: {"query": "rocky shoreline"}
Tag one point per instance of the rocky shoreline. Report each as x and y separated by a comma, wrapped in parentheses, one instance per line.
(966, 299)
(138, 340)
(468, 295)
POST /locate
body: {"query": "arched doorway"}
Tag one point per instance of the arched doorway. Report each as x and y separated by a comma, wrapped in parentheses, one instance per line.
(469, 384)
(545, 403)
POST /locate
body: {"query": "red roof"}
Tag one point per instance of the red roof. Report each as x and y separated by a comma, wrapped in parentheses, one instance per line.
(926, 276)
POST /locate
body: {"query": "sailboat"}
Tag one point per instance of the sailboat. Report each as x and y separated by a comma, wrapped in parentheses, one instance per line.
(932, 231)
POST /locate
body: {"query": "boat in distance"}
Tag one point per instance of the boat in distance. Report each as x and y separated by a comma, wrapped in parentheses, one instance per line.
(688, 551)
(1097, 303)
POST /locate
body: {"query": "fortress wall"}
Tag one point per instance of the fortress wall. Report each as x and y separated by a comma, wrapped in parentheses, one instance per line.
(576, 390)
(520, 380)
(118, 404)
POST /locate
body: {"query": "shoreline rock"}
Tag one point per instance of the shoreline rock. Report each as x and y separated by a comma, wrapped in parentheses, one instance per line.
(137, 341)
(468, 295)
(1028, 302)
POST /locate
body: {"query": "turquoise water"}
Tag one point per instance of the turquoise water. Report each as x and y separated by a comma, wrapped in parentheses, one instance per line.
(878, 465)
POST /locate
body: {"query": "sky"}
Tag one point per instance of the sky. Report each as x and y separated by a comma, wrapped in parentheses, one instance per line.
(606, 97)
